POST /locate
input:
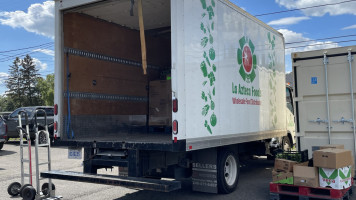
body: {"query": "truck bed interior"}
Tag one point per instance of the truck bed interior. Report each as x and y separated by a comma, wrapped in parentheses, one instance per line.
(110, 98)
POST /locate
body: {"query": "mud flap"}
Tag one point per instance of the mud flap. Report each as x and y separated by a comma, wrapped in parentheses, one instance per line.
(204, 176)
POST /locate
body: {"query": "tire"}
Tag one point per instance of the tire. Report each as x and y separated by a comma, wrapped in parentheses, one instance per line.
(42, 138)
(286, 144)
(28, 193)
(228, 171)
(45, 187)
(14, 189)
(1, 145)
(22, 187)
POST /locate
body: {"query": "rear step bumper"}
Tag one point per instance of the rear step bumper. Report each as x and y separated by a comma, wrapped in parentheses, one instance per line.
(129, 182)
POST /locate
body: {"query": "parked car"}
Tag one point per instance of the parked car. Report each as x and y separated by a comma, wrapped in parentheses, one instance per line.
(3, 132)
(13, 122)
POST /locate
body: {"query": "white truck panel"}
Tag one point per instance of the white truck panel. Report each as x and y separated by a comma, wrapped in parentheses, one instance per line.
(310, 90)
(227, 25)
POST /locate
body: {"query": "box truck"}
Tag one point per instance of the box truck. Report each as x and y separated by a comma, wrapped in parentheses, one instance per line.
(166, 89)
(324, 94)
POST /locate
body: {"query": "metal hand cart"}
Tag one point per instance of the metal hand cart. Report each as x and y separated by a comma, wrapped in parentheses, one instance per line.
(27, 191)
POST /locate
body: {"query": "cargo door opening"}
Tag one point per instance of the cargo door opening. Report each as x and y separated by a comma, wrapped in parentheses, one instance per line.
(110, 98)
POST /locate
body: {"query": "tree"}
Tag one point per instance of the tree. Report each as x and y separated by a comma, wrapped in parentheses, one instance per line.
(22, 84)
(15, 84)
(46, 88)
(30, 78)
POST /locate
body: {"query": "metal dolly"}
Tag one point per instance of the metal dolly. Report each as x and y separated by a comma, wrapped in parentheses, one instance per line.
(27, 191)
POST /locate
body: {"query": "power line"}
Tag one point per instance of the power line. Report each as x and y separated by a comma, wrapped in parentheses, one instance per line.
(322, 5)
(41, 45)
(329, 38)
(4, 59)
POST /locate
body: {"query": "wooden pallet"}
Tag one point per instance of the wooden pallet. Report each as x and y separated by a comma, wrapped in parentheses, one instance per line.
(290, 192)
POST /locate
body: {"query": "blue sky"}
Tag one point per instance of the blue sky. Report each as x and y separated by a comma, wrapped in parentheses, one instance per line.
(31, 23)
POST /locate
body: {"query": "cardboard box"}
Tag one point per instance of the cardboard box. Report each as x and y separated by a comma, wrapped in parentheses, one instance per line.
(284, 165)
(332, 158)
(282, 177)
(335, 178)
(160, 103)
(332, 146)
(305, 176)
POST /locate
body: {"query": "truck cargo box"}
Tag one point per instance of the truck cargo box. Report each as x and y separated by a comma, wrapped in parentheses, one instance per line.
(325, 82)
(227, 74)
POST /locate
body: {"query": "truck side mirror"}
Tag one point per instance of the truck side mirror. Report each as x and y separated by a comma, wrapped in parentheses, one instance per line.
(6, 117)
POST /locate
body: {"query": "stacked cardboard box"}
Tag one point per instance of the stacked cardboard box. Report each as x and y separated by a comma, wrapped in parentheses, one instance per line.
(160, 103)
(283, 171)
(305, 175)
(335, 167)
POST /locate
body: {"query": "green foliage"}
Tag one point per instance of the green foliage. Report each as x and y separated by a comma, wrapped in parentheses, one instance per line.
(46, 89)
(26, 87)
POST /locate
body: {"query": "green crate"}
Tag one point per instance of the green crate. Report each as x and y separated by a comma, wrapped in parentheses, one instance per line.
(298, 156)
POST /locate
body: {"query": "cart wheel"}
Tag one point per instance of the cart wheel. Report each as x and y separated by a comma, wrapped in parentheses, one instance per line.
(14, 189)
(28, 193)
(22, 187)
(45, 187)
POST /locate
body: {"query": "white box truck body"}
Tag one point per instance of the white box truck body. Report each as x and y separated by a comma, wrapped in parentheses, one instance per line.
(324, 87)
(227, 79)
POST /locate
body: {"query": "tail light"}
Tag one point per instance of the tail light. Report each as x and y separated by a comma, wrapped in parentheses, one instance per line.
(175, 105)
(56, 109)
(55, 126)
(175, 127)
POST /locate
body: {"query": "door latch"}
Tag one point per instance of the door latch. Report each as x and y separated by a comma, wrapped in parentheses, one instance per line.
(318, 120)
(343, 120)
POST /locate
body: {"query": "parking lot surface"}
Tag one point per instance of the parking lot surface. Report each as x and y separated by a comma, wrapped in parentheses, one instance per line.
(253, 183)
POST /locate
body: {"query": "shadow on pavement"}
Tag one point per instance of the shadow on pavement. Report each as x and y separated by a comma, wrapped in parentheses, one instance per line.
(248, 188)
(5, 152)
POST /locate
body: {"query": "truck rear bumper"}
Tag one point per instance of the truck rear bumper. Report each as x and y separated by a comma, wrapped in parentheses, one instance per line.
(129, 182)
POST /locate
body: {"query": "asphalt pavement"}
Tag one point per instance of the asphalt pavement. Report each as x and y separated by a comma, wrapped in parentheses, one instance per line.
(253, 183)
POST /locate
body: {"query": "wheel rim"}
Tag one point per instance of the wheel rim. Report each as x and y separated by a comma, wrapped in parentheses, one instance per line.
(42, 138)
(230, 170)
(15, 188)
(286, 145)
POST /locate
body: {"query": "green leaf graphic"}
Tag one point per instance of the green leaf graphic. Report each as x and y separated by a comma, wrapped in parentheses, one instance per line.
(204, 41)
(212, 54)
(210, 12)
(213, 120)
(204, 69)
(211, 39)
(203, 4)
(213, 3)
(239, 56)
(205, 110)
(212, 105)
(214, 67)
(202, 27)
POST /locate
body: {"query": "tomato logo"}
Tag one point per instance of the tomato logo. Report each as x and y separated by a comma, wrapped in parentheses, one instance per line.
(247, 60)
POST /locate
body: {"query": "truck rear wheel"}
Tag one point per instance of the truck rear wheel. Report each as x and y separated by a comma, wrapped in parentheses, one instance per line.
(286, 144)
(228, 171)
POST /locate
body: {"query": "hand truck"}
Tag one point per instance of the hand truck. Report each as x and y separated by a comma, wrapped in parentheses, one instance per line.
(27, 191)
